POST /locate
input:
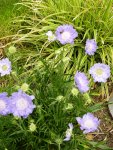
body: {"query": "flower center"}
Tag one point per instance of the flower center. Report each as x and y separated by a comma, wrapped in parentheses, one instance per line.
(4, 67)
(90, 46)
(22, 104)
(65, 35)
(80, 80)
(99, 71)
(89, 124)
(68, 132)
(2, 105)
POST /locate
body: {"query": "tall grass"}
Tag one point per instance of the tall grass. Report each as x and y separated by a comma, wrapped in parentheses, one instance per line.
(91, 19)
(8, 12)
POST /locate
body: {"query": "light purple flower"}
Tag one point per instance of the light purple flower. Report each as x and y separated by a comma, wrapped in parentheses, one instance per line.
(81, 81)
(91, 47)
(21, 104)
(5, 66)
(88, 123)
(69, 132)
(51, 36)
(4, 104)
(100, 72)
(66, 34)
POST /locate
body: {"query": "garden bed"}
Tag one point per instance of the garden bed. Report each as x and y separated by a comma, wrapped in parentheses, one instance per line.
(56, 60)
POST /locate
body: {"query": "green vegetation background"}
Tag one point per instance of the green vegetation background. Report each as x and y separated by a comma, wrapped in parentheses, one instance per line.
(7, 13)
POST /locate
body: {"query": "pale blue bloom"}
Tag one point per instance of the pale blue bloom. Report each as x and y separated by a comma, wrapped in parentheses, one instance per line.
(91, 47)
(21, 104)
(88, 123)
(66, 34)
(81, 81)
(100, 72)
(4, 104)
(69, 132)
(5, 66)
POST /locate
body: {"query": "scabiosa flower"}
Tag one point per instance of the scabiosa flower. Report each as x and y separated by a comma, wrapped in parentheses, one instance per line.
(21, 104)
(81, 81)
(69, 132)
(5, 66)
(66, 34)
(91, 47)
(4, 104)
(100, 72)
(51, 36)
(88, 123)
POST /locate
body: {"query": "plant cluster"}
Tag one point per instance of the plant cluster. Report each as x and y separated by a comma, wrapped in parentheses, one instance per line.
(61, 51)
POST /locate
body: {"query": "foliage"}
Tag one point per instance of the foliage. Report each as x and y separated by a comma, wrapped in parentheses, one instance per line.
(53, 96)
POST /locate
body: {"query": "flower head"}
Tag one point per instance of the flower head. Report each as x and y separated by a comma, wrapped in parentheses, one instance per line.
(69, 106)
(100, 72)
(60, 98)
(91, 47)
(12, 49)
(74, 91)
(66, 34)
(32, 127)
(88, 123)
(22, 104)
(51, 36)
(5, 66)
(4, 104)
(24, 87)
(69, 132)
(81, 81)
